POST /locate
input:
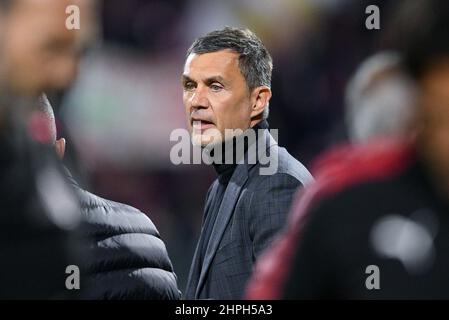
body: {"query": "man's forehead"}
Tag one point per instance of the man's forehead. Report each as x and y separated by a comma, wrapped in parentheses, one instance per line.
(220, 62)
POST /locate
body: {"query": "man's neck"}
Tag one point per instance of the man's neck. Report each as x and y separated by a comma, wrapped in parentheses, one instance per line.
(231, 150)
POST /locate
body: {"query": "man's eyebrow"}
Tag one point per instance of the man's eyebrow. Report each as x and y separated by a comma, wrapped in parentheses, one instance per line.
(185, 78)
(215, 79)
(209, 80)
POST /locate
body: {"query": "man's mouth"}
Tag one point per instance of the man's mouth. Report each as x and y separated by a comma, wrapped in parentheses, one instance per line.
(202, 124)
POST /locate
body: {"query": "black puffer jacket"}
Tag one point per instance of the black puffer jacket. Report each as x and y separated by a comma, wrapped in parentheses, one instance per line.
(127, 258)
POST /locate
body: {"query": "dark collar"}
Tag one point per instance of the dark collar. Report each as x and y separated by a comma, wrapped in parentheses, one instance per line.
(225, 170)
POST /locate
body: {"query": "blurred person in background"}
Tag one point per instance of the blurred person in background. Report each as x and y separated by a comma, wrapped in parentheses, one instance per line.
(375, 225)
(227, 85)
(126, 258)
(380, 105)
(380, 99)
(40, 212)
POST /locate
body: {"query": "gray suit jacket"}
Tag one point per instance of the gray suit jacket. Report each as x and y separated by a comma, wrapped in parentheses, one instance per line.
(253, 210)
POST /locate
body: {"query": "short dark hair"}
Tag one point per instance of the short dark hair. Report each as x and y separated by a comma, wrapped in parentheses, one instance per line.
(420, 29)
(255, 62)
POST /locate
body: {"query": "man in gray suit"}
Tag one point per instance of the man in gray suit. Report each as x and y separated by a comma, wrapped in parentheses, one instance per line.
(226, 85)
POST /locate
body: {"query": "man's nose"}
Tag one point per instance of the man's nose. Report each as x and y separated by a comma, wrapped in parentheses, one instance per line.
(199, 98)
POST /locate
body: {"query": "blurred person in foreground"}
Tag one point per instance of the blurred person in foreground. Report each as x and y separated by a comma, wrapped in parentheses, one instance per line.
(39, 52)
(126, 258)
(39, 211)
(226, 82)
(375, 225)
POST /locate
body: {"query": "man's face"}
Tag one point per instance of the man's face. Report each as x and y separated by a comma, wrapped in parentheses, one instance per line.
(40, 53)
(434, 120)
(216, 96)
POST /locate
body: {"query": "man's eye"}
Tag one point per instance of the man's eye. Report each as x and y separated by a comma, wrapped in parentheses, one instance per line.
(216, 87)
(189, 86)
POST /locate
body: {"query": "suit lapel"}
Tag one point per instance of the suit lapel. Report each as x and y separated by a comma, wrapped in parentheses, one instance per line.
(192, 282)
(226, 210)
(194, 274)
(227, 206)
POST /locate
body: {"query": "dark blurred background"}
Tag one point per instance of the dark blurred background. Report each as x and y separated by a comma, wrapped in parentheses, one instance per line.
(127, 99)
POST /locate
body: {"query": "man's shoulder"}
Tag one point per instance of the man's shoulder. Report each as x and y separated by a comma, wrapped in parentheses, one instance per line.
(110, 215)
(286, 167)
(291, 166)
(91, 201)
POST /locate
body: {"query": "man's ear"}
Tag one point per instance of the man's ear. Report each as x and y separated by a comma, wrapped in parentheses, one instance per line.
(60, 147)
(259, 101)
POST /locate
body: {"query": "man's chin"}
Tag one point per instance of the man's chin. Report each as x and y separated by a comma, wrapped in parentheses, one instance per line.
(206, 141)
